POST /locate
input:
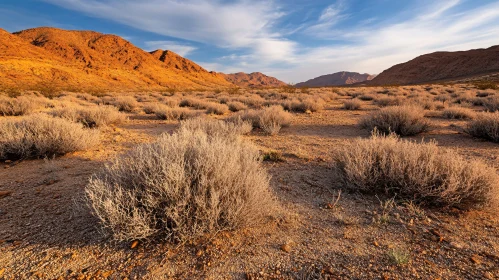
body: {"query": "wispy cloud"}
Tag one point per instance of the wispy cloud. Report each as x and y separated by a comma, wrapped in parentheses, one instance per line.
(176, 47)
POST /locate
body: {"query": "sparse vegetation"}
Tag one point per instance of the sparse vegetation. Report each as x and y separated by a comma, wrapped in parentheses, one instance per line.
(486, 126)
(41, 135)
(167, 113)
(182, 186)
(353, 104)
(125, 103)
(270, 119)
(92, 116)
(402, 120)
(458, 113)
(21, 105)
(419, 171)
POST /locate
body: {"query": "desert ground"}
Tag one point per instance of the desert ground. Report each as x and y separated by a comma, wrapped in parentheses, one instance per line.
(324, 230)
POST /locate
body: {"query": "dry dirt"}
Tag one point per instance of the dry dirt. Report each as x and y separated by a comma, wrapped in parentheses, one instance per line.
(46, 233)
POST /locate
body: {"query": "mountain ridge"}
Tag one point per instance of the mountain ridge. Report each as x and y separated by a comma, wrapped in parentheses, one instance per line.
(336, 79)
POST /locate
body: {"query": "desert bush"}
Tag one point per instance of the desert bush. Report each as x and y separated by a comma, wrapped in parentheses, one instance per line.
(217, 108)
(167, 113)
(352, 104)
(308, 105)
(416, 171)
(486, 126)
(235, 106)
(91, 116)
(125, 103)
(183, 186)
(366, 97)
(42, 135)
(151, 108)
(217, 128)
(387, 101)
(193, 102)
(270, 119)
(458, 113)
(402, 120)
(21, 105)
(491, 103)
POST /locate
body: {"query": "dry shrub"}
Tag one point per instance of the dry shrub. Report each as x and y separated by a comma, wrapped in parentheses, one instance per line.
(216, 108)
(270, 119)
(308, 105)
(402, 120)
(183, 186)
(458, 113)
(151, 108)
(193, 102)
(42, 135)
(366, 97)
(236, 106)
(125, 103)
(387, 101)
(416, 171)
(353, 104)
(486, 126)
(21, 105)
(491, 103)
(167, 113)
(216, 128)
(98, 116)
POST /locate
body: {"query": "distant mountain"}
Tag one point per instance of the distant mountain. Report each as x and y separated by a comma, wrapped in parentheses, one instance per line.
(336, 79)
(255, 79)
(92, 60)
(441, 66)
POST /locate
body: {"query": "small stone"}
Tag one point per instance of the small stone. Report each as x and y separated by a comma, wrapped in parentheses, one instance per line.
(456, 245)
(376, 243)
(134, 244)
(8, 161)
(488, 275)
(286, 247)
(4, 193)
(476, 259)
(2, 271)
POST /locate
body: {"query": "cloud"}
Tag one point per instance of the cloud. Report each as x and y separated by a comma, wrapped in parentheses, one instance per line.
(242, 24)
(176, 47)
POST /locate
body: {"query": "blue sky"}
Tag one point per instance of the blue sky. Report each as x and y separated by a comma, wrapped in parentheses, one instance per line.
(291, 40)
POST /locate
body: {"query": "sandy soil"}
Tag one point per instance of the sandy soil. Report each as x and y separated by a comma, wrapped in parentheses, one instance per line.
(46, 233)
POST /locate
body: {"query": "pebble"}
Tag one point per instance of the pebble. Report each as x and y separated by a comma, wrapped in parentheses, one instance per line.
(286, 248)
(456, 245)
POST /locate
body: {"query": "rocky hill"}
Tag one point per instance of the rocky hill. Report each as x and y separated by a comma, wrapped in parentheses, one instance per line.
(92, 60)
(255, 79)
(336, 79)
(441, 66)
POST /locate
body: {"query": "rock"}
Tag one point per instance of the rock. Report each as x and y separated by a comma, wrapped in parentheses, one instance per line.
(5, 193)
(456, 245)
(8, 161)
(134, 244)
(286, 247)
(2, 271)
(488, 275)
(376, 243)
(476, 259)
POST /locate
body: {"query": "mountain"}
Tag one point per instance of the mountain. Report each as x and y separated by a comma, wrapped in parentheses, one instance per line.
(92, 60)
(255, 79)
(441, 66)
(336, 79)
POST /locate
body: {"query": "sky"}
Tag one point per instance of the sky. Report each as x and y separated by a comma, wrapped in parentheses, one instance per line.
(293, 40)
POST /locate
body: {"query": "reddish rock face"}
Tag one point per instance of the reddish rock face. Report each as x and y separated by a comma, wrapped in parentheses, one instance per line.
(336, 79)
(255, 79)
(92, 60)
(441, 66)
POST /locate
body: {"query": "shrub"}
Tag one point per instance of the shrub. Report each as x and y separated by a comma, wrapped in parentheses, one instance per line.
(125, 103)
(353, 104)
(216, 108)
(387, 101)
(182, 186)
(91, 117)
(491, 103)
(167, 113)
(151, 108)
(21, 105)
(366, 97)
(458, 113)
(402, 120)
(308, 105)
(235, 106)
(218, 128)
(270, 119)
(42, 135)
(486, 126)
(416, 171)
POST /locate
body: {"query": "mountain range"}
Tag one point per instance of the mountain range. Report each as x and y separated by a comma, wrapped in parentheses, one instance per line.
(336, 79)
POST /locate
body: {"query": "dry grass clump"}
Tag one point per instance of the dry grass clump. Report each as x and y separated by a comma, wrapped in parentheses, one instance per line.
(217, 128)
(402, 120)
(193, 102)
(42, 135)
(308, 105)
(167, 113)
(98, 116)
(270, 119)
(491, 103)
(183, 186)
(366, 97)
(216, 108)
(486, 126)
(416, 171)
(125, 103)
(387, 101)
(458, 113)
(21, 105)
(236, 106)
(353, 104)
